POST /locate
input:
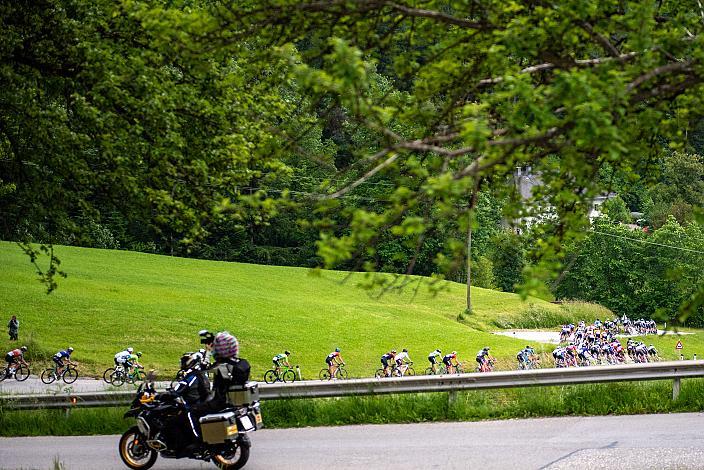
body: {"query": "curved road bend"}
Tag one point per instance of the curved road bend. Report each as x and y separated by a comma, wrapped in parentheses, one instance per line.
(640, 442)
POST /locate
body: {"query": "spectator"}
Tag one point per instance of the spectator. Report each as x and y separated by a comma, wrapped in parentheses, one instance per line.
(13, 328)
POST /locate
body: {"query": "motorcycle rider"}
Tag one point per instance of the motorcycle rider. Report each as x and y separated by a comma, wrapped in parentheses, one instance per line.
(193, 388)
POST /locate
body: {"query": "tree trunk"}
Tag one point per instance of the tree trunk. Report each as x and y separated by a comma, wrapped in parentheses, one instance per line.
(469, 262)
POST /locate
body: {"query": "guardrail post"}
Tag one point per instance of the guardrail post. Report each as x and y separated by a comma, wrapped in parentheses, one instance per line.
(298, 372)
(695, 357)
(681, 357)
(675, 388)
(452, 397)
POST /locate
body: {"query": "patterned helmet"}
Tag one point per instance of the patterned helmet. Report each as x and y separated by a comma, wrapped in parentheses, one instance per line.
(225, 345)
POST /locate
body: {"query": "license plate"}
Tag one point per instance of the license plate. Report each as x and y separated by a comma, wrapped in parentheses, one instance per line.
(246, 422)
(258, 418)
(232, 430)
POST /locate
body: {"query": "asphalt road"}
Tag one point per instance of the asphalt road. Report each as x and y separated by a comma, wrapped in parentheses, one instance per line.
(639, 442)
(34, 385)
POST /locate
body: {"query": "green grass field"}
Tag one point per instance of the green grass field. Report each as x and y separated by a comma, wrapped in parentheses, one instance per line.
(157, 304)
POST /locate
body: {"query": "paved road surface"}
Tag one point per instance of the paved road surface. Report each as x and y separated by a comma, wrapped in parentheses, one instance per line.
(620, 442)
(34, 385)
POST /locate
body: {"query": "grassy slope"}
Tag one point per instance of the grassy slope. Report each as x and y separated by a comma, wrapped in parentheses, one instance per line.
(157, 304)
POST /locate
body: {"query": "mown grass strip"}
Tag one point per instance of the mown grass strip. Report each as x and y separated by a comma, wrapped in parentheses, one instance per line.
(574, 400)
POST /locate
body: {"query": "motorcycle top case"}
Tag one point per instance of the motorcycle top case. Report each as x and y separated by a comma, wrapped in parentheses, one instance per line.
(218, 427)
(243, 395)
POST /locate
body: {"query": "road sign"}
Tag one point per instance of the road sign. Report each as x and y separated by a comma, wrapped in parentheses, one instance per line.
(679, 345)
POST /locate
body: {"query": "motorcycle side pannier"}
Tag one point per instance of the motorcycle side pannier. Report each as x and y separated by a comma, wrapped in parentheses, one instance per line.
(243, 395)
(218, 427)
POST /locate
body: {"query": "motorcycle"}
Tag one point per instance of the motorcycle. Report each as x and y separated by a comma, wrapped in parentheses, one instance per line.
(224, 439)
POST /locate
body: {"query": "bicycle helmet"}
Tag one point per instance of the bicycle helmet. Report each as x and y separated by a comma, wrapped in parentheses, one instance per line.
(129, 350)
(405, 350)
(225, 345)
(393, 351)
(139, 354)
(486, 348)
(337, 349)
(454, 352)
(288, 353)
(23, 348)
(438, 351)
(69, 349)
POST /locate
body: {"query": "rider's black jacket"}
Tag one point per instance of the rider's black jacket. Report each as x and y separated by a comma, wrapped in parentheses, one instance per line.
(194, 387)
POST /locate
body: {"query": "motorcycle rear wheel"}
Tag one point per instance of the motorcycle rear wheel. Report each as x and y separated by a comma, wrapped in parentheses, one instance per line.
(235, 459)
(134, 451)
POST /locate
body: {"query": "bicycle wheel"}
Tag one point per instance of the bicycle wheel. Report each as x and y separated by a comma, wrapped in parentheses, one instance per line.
(48, 375)
(341, 373)
(324, 374)
(429, 371)
(106, 375)
(22, 373)
(270, 376)
(117, 378)
(379, 374)
(289, 376)
(70, 375)
(410, 372)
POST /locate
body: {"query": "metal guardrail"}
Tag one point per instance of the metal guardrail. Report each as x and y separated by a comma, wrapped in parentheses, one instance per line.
(675, 371)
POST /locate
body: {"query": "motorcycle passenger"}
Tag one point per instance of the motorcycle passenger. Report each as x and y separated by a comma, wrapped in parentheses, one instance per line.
(62, 358)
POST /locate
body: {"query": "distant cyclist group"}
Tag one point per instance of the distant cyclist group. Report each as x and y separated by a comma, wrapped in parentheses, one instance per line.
(591, 344)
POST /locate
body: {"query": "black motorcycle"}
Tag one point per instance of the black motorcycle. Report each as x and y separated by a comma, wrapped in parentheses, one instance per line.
(160, 420)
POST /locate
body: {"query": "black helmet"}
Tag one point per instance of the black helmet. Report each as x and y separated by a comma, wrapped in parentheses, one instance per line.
(288, 353)
(337, 349)
(193, 362)
(139, 354)
(405, 350)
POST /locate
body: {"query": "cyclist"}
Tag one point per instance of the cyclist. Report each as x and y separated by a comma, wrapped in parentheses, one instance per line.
(14, 357)
(402, 361)
(448, 361)
(483, 359)
(122, 357)
(281, 358)
(61, 359)
(652, 352)
(133, 362)
(433, 359)
(334, 360)
(385, 359)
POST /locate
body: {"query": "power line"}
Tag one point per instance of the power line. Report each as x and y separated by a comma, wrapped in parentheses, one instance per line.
(648, 242)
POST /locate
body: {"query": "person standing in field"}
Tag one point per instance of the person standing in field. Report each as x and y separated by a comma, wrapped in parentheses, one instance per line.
(13, 328)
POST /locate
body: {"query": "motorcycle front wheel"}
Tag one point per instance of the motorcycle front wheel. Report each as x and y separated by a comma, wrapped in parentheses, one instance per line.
(234, 458)
(134, 451)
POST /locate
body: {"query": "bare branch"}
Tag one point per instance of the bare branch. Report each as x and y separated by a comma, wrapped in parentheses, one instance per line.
(436, 15)
(671, 67)
(368, 174)
(601, 39)
(549, 65)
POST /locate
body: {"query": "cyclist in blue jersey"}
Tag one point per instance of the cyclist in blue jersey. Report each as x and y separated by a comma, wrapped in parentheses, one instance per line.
(62, 359)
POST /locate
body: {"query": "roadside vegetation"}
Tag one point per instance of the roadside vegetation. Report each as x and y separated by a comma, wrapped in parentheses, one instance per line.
(576, 400)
